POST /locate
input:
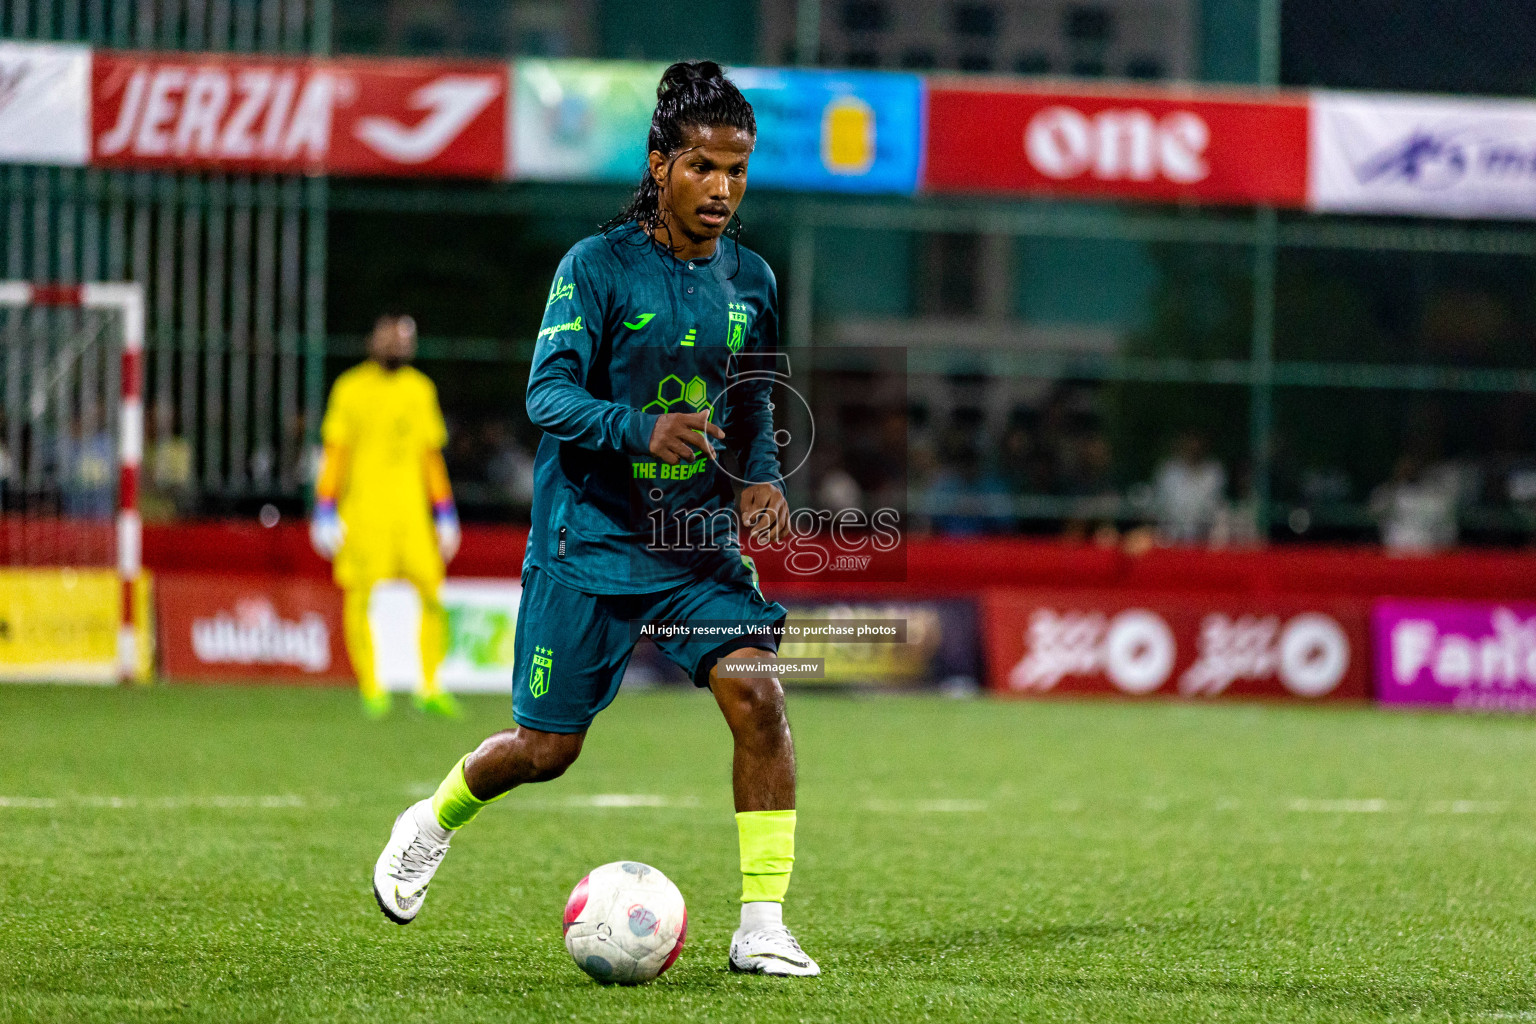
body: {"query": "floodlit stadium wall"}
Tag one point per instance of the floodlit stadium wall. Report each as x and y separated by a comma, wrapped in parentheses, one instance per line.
(821, 131)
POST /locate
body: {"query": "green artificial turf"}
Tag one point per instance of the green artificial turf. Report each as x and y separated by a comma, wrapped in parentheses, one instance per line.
(204, 855)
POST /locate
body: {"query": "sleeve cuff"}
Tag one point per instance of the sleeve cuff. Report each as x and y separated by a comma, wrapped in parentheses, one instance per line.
(637, 434)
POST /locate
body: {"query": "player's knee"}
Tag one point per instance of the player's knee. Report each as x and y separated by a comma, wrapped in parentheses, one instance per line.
(756, 704)
(550, 754)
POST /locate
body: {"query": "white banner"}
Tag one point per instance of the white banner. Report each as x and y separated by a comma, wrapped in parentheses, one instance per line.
(45, 107)
(1422, 156)
(482, 621)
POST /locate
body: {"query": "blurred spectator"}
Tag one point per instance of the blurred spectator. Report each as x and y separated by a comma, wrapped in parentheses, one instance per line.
(969, 499)
(838, 490)
(1237, 521)
(1089, 477)
(509, 466)
(1416, 509)
(1023, 460)
(1188, 490)
(89, 474)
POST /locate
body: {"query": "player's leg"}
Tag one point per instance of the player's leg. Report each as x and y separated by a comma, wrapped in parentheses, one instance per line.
(357, 570)
(422, 566)
(763, 764)
(569, 655)
(763, 781)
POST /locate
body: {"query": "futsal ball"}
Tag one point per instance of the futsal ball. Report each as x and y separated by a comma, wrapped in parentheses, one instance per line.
(625, 923)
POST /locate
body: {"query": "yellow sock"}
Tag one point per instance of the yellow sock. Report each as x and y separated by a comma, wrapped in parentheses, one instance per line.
(453, 803)
(354, 620)
(434, 638)
(767, 854)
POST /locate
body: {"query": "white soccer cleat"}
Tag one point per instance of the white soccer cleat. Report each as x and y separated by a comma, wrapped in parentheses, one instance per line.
(770, 950)
(410, 859)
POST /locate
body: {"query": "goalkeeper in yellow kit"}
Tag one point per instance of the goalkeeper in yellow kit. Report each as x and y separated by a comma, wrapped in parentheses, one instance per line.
(383, 506)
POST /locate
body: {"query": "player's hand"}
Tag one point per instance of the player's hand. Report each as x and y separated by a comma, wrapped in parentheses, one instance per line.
(680, 437)
(326, 530)
(764, 513)
(448, 533)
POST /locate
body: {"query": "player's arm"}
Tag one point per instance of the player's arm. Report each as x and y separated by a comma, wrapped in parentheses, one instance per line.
(325, 527)
(445, 516)
(558, 400)
(750, 435)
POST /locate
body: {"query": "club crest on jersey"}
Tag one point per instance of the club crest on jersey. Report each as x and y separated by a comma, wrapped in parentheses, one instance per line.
(738, 319)
(543, 665)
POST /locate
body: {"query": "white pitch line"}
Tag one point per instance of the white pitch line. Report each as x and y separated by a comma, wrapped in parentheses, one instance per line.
(926, 806)
(164, 803)
(1372, 806)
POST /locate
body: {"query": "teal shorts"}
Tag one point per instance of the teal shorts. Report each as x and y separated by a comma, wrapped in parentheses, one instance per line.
(571, 648)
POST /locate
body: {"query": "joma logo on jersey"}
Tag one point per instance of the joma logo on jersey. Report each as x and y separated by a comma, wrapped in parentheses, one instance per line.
(543, 666)
(736, 333)
(560, 290)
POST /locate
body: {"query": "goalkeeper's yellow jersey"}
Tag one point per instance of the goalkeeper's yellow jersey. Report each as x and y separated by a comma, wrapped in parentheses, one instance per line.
(388, 422)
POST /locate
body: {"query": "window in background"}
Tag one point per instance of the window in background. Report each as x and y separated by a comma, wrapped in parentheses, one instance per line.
(1035, 63)
(865, 16)
(1142, 38)
(974, 21)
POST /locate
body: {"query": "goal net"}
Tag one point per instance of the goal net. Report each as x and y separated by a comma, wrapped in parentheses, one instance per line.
(71, 439)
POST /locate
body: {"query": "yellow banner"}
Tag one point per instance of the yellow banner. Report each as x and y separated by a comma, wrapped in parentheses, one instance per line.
(59, 624)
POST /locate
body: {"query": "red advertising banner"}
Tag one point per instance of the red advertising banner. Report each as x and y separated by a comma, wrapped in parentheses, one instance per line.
(1141, 145)
(250, 627)
(1187, 645)
(374, 117)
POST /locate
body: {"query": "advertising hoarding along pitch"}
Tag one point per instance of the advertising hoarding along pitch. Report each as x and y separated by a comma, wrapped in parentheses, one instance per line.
(358, 117)
(44, 96)
(1465, 655)
(816, 130)
(1196, 645)
(1147, 145)
(1422, 156)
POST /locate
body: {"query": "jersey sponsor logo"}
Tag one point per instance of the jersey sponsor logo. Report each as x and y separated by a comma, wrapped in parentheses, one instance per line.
(640, 321)
(554, 329)
(543, 666)
(560, 290)
(653, 470)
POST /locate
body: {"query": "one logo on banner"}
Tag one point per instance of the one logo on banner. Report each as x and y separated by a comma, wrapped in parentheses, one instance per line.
(1118, 145)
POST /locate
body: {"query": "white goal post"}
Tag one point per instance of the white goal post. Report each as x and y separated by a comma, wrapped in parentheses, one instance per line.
(126, 301)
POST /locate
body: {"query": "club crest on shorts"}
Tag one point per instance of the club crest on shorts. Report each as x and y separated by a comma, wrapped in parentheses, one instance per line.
(543, 665)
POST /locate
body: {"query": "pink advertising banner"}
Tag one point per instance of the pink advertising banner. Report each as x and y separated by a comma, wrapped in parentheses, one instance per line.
(1465, 655)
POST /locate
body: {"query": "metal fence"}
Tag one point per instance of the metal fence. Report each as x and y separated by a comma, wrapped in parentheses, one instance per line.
(234, 265)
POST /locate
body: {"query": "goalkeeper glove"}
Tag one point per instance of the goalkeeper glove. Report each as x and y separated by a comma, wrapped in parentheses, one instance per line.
(326, 530)
(446, 519)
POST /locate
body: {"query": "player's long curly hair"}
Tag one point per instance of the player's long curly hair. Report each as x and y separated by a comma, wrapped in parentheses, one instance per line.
(692, 94)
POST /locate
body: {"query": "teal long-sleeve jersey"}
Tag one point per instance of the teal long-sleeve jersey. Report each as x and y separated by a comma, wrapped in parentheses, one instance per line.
(631, 332)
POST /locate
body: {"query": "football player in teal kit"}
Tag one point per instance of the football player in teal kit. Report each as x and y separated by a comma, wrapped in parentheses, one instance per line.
(632, 385)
